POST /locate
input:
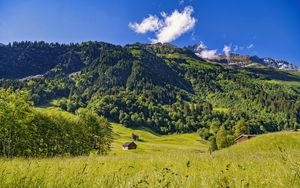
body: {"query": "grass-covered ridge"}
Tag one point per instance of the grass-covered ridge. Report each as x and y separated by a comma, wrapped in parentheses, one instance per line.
(269, 160)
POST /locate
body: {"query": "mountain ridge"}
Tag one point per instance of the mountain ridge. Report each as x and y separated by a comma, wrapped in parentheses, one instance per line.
(67, 58)
(245, 60)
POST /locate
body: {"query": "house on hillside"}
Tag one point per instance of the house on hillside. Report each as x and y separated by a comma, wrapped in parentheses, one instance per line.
(129, 145)
(289, 130)
(243, 137)
(135, 137)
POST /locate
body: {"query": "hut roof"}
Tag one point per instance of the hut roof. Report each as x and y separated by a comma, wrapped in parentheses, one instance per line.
(244, 136)
(128, 144)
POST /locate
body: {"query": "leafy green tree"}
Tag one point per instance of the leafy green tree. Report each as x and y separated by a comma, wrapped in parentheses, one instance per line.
(15, 116)
(99, 128)
(221, 138)
(213, 143)
(214, 126)
(241, 128)
(204, 133)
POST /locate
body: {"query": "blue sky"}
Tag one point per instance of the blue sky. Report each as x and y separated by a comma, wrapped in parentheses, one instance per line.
(267, 27)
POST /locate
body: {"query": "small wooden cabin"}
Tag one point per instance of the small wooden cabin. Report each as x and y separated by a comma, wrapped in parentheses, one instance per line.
(243, 137)
(129, 145)
(135, 137)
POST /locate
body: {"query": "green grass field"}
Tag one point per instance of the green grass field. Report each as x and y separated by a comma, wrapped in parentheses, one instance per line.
(183, 160)
(151, 143)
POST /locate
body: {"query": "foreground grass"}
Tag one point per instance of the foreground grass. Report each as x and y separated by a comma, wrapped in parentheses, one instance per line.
(270, 160)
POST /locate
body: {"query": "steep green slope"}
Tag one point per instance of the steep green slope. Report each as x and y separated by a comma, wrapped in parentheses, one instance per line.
(24, 59)
(162, 87)
(285, 143)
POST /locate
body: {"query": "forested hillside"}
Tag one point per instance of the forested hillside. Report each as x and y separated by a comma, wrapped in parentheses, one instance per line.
(166, 88)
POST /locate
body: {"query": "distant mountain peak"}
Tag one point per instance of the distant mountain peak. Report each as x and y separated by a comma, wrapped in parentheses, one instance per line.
(243, 60)
(280, 64)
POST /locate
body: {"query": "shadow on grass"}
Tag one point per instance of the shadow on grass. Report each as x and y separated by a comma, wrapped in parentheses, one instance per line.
(145, 129)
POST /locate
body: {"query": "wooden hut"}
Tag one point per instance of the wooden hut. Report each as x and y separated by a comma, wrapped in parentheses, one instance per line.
(135, 137)
(129, 145)
(243, 137)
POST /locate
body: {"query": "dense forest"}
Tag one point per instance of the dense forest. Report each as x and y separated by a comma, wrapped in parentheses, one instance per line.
(160, 86)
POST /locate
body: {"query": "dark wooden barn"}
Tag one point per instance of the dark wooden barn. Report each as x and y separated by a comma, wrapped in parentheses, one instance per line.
(129, 145)
(135, 137)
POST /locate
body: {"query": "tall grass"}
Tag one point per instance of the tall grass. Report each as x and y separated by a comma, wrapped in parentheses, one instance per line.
(266, 161)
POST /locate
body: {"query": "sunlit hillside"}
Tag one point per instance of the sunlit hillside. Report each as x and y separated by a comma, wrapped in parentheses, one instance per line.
(269, 160)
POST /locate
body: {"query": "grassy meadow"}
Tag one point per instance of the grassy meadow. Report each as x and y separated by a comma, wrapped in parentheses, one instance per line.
(179, 160)
(152, 143)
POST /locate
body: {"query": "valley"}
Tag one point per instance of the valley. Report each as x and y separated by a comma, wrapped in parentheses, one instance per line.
(165, 161)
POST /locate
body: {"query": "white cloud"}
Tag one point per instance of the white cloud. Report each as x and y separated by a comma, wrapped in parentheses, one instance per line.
(169, 28)
(201, 46)
(152, 23)
(227, 50)
(204, 53)
(209, 54)
(175, 25)
(181, 2)
(236, 48)
(250, 46)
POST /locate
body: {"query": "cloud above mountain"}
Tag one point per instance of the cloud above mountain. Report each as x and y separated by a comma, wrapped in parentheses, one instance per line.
(169, 28)
(235, 48)
(227, 50)
(151, 23)
(204, 53)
